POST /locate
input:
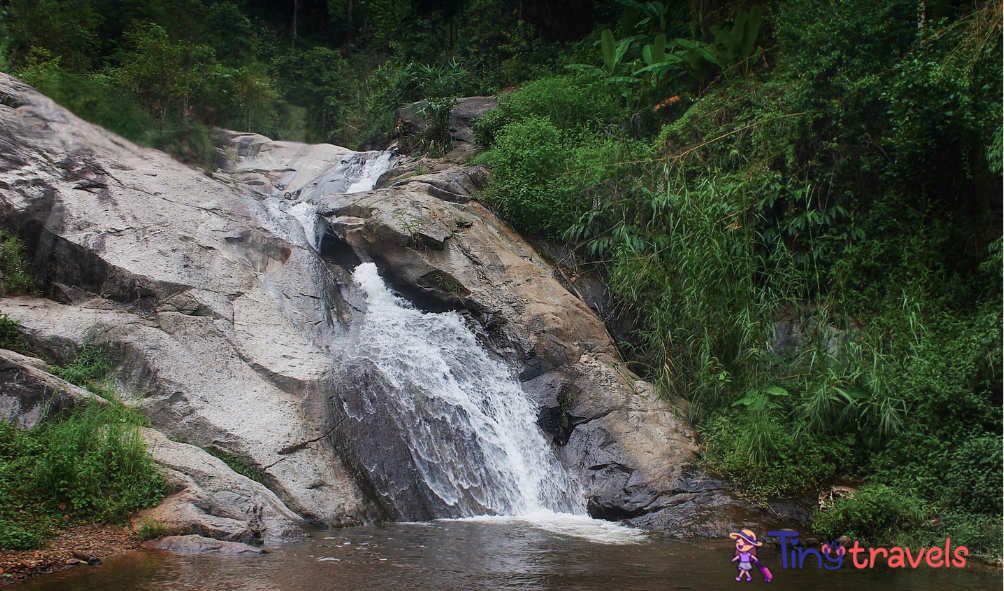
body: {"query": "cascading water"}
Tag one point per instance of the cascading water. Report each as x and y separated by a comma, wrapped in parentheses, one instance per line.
(470, 428)
(439, 428)
(357, 172)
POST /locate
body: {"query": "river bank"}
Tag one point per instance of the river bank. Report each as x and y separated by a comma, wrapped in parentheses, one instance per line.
(95, 540)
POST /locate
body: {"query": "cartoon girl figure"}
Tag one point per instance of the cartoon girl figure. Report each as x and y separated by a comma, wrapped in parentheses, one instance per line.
(746, 545)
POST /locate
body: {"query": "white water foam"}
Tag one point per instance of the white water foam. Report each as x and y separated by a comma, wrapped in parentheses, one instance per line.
(470, 427)
(357, 172)
(491, 460)
(568, 524)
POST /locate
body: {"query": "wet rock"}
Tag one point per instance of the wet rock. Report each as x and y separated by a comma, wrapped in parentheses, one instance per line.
(556, 422)
(193, 544)
(792, 511)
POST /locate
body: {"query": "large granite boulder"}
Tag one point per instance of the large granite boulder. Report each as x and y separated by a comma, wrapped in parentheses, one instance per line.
(29, 393)
(209, 499)
(223, 319)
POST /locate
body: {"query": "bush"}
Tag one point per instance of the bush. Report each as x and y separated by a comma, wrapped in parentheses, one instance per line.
(764, 457)
(568, 102)
(151, 529)
(18, 276)
(527, 163)
(90, 368)
(874, 514)
(973, 482)
(90, 465)
(10, 336)
(97, 463)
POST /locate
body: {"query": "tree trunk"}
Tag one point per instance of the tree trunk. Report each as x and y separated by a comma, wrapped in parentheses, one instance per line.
(296, 4)
(349, 14)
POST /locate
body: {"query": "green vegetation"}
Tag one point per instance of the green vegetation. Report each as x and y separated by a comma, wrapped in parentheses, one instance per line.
(159, 73)
(91, 369)
(151, 529)
(236, 463)
(18, 277)
(84, 465)
(10, 337)
(797, 204)
(90, 465)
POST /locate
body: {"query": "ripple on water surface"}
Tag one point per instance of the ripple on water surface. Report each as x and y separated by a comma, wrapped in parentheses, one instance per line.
(531, 553)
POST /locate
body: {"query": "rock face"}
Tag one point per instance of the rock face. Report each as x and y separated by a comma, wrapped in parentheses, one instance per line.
(229, 310)
(214, 501)
(224, 320)
(28, 392)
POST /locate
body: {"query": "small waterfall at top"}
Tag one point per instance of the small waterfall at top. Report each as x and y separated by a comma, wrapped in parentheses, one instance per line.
(357, 172)
(470, 428)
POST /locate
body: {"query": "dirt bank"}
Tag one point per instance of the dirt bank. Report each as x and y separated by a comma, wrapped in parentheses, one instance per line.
(101, 541)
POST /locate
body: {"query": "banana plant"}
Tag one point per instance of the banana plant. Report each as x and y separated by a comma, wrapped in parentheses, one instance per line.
(657, 60)
(694, 58)
(738, 41)
(654, 12)
(757, 399)
(612, 50)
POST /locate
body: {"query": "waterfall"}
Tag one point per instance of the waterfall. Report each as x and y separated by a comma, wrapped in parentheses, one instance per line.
(357, 172)
(470, 428)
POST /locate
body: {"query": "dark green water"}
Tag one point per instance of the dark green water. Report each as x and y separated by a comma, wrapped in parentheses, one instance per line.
(485, 555)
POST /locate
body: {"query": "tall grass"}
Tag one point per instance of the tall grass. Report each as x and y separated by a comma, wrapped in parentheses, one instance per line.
(689, 265)
(90, 369)
(89, 465)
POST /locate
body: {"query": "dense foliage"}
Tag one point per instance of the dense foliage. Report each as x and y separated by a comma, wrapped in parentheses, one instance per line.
(797, 204)
(808, 244)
